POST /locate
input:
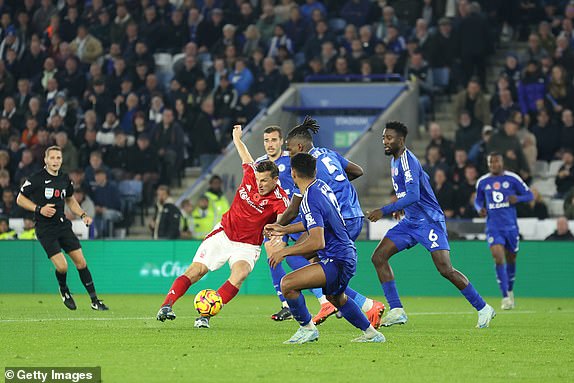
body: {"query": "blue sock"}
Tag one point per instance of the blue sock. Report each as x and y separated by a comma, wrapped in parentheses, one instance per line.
(276, 274)
(473, 297)
(502, 279)
(295, 262)
(353, 314)
(391, 294)
(299, 310)
(511, 272)
(357, 297)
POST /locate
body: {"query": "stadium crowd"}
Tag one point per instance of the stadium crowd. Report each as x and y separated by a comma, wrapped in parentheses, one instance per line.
(135, 91)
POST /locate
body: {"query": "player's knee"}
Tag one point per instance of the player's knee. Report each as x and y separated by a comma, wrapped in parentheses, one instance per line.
(287, 287)
(378, 258)
(446, 271)
(336, 300)
(196, 270)
(81, 264)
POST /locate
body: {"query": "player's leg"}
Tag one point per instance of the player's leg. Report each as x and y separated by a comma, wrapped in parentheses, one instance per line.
(380, 258)
(304, 278)
(441, 259)
(79, 260)
(61, 266)
(511, 272)
(276, 274)
(353, 314)
(497, 251)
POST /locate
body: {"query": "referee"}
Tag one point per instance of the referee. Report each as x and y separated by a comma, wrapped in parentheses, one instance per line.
(44, 193)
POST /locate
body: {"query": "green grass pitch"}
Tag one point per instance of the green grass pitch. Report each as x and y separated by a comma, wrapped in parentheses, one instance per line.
(533, 343)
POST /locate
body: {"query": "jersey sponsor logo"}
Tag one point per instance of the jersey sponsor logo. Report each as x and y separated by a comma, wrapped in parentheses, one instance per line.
(497, 197)
(496, 185)
(492, 206)
(244, 196)
(505, 185)
(48, 193)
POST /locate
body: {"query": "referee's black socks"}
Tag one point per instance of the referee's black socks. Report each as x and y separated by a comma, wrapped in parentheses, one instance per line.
(86, 278)
(61, 277)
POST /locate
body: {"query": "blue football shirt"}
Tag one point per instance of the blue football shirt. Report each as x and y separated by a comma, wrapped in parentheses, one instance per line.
(284, 165)
(319, 208)
(492, 192)
(413, 190)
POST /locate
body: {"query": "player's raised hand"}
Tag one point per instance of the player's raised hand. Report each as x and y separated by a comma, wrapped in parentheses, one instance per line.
(274, 229)
(237, 132)
(48, 210)
(374, 215)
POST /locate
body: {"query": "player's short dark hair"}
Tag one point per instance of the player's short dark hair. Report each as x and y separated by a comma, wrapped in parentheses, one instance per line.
(303, 131)
(495, 154)
(164, 188)
(100, 171)
(273, 128)
(51, 148)
(398, 127)
(304, 164)
(215, 177)
(267, 166)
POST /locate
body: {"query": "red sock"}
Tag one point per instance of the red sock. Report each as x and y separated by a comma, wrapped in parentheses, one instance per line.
(227, 292)
(179, 287)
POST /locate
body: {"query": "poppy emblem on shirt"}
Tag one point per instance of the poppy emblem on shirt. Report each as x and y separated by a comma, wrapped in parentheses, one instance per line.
(48, 193)
(496, 185)
(256, 197)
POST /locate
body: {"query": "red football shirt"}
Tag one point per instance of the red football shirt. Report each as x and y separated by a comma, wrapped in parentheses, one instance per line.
(250, 211)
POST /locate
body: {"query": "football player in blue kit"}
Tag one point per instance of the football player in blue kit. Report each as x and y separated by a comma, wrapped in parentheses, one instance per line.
(497, 194)
(327, 237)
(337, 172)
(423, 223)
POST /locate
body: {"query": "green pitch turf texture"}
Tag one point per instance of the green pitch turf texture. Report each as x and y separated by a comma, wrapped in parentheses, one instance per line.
(533, 343)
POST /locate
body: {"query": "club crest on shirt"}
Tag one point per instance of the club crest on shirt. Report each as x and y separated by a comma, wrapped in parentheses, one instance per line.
(396, 171)
(48, 193)
(281, 168)
(505, 184)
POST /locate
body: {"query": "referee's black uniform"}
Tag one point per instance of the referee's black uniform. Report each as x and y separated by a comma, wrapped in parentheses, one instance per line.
(54, 233)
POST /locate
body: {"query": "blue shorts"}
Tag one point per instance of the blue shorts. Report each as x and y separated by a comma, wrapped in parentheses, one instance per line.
(508, 238)
(338, 274)
(431, 235)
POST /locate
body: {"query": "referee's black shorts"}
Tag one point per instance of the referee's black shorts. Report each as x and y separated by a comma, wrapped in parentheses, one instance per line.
(55, 238)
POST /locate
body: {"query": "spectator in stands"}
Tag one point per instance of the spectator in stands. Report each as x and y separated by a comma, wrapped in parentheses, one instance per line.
(72, 79)
(529, 146)
(169, 143)
(26, 167)
(472, 100)
(217, 200)
(167, 217)
(8, 206)
(535, 51)
(475, 45)
(204, 132)
(6, 233)
(434, 160)
(203, 218)
(560, 93)
(177, 31)
(23, 96)
(225, 99)
(297, 28)
(85, 202)
(5, 183)
(116, 155)
(444, 192)
(531, 89)
(29, 229)
(99, 99)
(418, 71)
(505, 108)
(547, 39)
(143, 166)
(465, 191)
(29, 135)
(5, 161)
(267, 22)
(507, 143)
(547, 136)
(96, 163)
(565, 177)
(567, 130)
(85, 46)
(355, 12)
(10, 112)
(314, 43)
(502, 84)
(442, 53)
(252, 41)
(536, 208)
(186, 223)
(458, 169)
(437, 139)
(106, 197)
(241, 77)
(564, 54)
(40, 147)
(69, 152)
(209, 30)
(562, 232)
(468, 132)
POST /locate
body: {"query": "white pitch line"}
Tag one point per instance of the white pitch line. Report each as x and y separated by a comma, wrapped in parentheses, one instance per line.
(516, 312)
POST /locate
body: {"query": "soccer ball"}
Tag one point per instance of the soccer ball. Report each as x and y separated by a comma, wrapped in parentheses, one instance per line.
(208, 303)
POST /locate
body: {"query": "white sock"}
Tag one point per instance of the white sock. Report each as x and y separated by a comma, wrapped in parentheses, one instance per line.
(323, 300)
(370, 332)
(309, 326)
(284, 305)
(367, 305)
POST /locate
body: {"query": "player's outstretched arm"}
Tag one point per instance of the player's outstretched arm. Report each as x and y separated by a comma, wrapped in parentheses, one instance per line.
(241, 148)
(291, 212)
(314, 242)
(274, 229)
(77, 210)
